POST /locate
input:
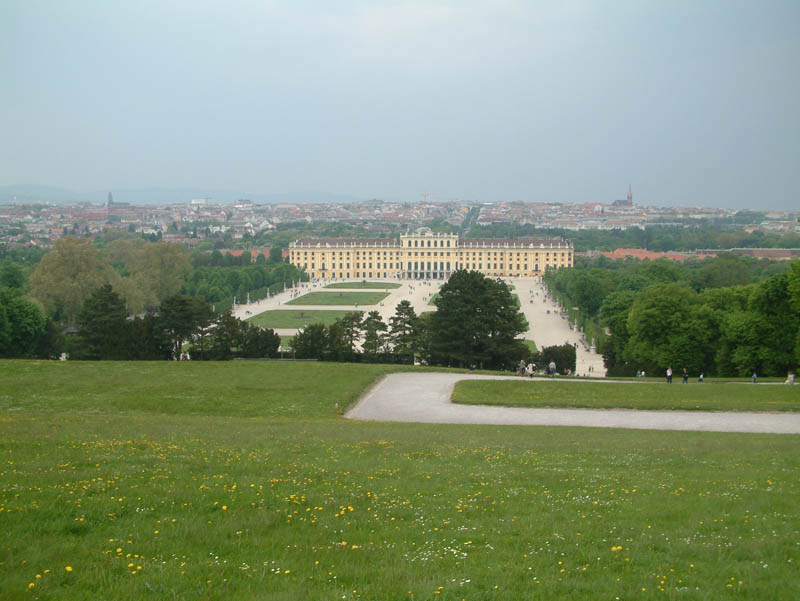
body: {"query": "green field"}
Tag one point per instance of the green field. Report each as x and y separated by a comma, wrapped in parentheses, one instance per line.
(295, 319)
(189, 480)
(709, 396)
(531, 346)
(339, 298)
(435, 297)
(371, 285)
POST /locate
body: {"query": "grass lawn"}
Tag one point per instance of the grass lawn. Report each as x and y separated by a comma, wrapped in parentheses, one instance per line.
(708, 396)
(434, 298)
(357, 285)
(531, 346)
(339, 298)
(294, 319)
(182, 480)
(286, 341)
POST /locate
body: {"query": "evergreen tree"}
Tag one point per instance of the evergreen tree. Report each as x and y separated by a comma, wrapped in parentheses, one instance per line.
(374, 335)
(403, 331)
(311, 342)
(102, 331)
(183, 318)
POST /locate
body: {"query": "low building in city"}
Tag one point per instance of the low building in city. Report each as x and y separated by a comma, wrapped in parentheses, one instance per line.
(427, 255)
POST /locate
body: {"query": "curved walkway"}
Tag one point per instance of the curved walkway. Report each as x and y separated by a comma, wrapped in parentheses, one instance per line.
(418, 397)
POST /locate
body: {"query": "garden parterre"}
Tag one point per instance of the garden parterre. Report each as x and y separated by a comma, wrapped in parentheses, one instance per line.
(339, 298)
(237, 480)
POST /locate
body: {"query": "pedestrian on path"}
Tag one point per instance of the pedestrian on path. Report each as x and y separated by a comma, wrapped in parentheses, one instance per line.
(669, 375)
(685, 376)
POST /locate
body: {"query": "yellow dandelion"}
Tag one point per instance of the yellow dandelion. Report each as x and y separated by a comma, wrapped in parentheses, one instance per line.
(31, 585)
(68, 568)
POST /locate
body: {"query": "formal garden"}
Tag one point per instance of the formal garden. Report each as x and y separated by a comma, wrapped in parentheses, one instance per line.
(365, 285)
(285, 319)
(339, 298)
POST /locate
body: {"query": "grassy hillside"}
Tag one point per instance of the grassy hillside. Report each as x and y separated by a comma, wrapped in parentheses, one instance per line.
(239, 481)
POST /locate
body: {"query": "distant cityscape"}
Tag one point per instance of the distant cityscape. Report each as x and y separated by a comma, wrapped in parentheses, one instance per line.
(203, 218)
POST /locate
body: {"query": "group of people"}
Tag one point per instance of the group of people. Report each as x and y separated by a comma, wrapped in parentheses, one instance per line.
(700, 378)
(529, 369)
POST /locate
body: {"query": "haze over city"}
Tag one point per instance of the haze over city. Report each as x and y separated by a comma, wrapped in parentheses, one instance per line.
(691, 103)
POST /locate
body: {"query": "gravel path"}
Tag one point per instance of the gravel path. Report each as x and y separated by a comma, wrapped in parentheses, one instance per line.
(413, 397)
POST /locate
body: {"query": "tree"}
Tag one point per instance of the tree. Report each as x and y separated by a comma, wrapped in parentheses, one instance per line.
(564, 356)
(183, 318)
(311, 342)
(343, 334)
(147, 339)
(476, 323)
(403, 331)
(374, 335)
(654, 323)
(275, 254)
(21, 325)
(614, 315)
(151, 271)
(764, 337)
(224, 338)
(12, 276)
(67, 276)
(102, 327)
(258, 342)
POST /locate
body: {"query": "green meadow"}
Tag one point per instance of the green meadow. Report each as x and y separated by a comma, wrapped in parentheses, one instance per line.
(339, 298)
(711, 395)
(241, 480)
(368, 285)
(280, 318)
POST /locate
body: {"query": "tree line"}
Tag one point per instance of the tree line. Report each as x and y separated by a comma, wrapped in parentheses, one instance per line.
(656, 238)
(42, 294)
(728, 316)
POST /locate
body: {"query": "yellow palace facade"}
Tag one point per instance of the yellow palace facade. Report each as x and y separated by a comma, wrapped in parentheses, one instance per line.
(426, 255)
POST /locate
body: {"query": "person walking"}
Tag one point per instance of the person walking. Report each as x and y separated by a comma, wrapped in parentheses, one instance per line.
(552, 368)
(685, 376)
(669, 375)
(755, 377)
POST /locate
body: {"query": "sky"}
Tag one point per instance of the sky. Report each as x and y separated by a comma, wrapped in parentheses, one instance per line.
(690, 102)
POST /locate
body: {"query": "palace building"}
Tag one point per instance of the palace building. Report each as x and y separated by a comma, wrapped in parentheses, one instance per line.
(426, 255)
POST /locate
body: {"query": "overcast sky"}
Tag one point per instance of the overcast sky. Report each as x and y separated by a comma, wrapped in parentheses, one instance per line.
(690, 102)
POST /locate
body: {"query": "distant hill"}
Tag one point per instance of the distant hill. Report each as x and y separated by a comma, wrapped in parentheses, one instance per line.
(143, 196)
